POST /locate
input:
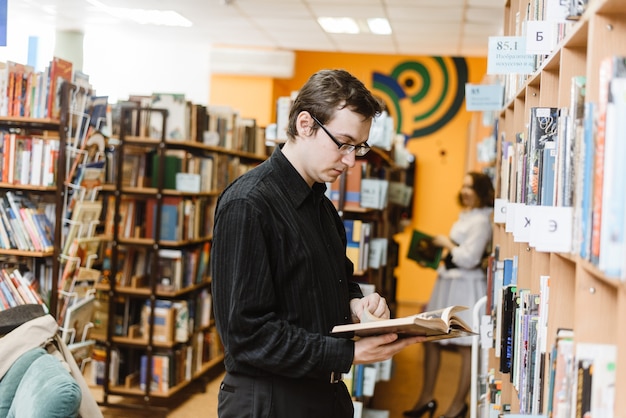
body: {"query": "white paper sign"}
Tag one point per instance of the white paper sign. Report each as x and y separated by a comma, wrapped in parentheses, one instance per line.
(540, 39)
(507, 55)
(511, 207)
(551, 228)
(499, 211)
(523, 222)
(483, 97)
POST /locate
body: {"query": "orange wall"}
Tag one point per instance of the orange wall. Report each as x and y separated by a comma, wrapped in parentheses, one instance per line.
(251, 96)
(441, 156)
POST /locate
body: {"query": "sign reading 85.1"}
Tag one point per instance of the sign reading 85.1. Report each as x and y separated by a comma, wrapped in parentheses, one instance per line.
(507, 55)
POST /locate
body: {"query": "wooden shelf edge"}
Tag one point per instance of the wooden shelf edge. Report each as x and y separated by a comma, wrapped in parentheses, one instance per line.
(136, 391)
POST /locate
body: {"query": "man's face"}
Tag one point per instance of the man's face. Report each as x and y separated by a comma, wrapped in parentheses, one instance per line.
(324, 162)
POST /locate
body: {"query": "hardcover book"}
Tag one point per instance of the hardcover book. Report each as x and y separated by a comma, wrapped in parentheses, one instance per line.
(423, 251)
(435, 325)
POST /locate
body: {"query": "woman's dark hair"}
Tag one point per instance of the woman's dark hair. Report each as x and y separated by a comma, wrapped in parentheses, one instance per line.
(329, 90)
(483, 186)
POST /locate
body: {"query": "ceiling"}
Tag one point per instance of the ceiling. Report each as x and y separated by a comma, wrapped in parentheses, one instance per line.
(420, 27)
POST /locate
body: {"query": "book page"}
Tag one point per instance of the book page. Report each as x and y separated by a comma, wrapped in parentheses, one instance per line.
(429, 324)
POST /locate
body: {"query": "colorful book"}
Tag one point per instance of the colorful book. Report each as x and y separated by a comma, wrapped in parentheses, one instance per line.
(423, 251)
(610, 68)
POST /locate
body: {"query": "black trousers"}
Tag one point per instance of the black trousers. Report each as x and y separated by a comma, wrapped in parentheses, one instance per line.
(280, 397)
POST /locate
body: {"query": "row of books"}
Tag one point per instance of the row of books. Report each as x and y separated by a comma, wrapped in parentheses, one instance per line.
(572, 157)
(25, 92)
(521, 343)
(205, 174)
(178, 269)
(16, 289)
(28, 160)
(169, 369)
(359, 236)
(24, 225)
(213, 125)
(175, 321)
(358, 188)
(581, 377)
(181, 218)
(558, 18)
(580, 380)
(361, 379)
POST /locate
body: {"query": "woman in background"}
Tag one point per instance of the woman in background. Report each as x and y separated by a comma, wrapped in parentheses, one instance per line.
(461, 280)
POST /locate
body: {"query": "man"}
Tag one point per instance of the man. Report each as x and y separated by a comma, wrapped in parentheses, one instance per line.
(281, 278)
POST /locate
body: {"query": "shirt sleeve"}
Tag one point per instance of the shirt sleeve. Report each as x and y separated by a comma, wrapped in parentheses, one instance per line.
(470, 251)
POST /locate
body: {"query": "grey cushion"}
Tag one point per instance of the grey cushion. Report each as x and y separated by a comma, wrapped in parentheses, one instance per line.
(16, 316)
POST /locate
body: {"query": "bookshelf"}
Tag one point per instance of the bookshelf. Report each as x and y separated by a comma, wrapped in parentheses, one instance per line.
(384, 220)
(44, 194)
(582, 295)
(160, 220)
(379, 220)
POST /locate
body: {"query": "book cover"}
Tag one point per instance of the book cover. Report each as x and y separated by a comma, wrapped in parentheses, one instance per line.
(353, 236)
(610, 67)
(176, 119)
(558, 402)
(506, 327)
(77, 320)
(542, 129)
(613, 228)
(85, 216)
(352, 192)
(170, 273)
(423, 251)
(171, 218)
(173, 165)
(595, 391)
(60, 71)
(13, 205)
(435, 325)
(586, 196)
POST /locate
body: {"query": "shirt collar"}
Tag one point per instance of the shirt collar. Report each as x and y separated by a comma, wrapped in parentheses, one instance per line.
(298, 188)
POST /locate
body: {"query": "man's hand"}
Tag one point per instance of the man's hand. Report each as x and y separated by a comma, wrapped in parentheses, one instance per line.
(381, 347)
(375, 304)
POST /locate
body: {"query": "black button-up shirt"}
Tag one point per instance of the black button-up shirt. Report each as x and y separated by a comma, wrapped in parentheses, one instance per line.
(280, 276)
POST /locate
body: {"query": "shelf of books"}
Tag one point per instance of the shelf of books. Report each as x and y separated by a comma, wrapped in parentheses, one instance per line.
(371, 197)
(159, 217)
(556, 282)
(38, 120)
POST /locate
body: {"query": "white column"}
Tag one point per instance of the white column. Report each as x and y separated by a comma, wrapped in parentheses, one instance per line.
(69, 46)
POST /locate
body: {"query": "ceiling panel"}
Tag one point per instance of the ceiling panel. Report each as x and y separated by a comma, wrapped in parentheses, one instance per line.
(418, 25)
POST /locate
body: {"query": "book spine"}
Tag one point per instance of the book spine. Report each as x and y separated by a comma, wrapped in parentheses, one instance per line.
(7, 293)
(17, 295)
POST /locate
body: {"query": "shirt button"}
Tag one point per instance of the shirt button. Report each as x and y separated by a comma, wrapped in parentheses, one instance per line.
(345, 318)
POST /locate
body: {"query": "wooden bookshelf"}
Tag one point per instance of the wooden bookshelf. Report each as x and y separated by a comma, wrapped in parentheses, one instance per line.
(141, 292)
(581, 296)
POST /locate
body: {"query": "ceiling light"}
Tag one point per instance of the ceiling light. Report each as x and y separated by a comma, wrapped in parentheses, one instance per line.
(379, 26)
(338, 24)
(145, 16)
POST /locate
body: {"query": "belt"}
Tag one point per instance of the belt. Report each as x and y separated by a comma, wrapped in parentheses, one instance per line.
(336, 377)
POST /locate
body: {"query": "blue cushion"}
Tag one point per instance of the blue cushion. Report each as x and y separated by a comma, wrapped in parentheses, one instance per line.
(47, 390)
(13, 377)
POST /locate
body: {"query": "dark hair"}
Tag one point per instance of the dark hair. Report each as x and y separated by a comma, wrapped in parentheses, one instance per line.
(483, 186)
(329, 90)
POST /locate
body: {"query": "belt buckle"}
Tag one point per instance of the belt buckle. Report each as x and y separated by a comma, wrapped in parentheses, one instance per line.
(336, 377)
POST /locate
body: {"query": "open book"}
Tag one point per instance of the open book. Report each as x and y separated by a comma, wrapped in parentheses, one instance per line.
(436, 325)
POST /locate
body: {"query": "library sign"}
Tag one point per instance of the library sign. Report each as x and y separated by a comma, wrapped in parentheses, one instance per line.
(508, 55)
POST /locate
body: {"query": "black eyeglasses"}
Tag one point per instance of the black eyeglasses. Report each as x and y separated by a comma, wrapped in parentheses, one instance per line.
(344, 148)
